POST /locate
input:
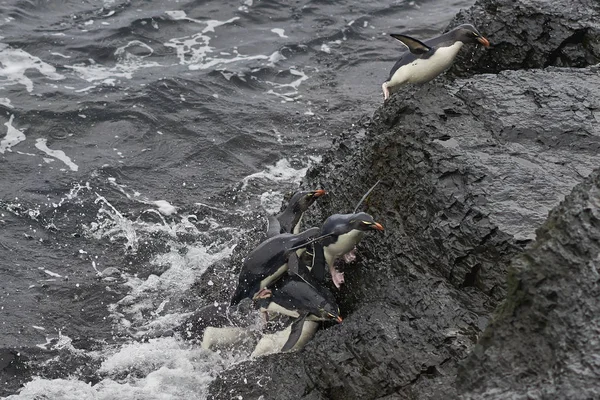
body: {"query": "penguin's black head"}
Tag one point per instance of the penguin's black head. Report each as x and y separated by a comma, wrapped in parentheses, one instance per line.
(364, 222)
(468, 34)
(302, 200)
(330, 311)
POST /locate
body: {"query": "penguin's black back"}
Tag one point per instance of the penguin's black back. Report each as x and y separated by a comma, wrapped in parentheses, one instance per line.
(265, 260)
(447, 39)
(302, 294)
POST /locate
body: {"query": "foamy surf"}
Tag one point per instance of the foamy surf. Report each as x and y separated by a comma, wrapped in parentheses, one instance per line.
(13, 136)
(281, 171)
(40, 144)
(161, 369)
(14, 63)
(155, 362)
(127, 64)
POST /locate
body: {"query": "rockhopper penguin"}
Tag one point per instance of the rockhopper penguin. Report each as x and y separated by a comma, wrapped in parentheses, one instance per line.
(288, 221)
(302, 297)
(426, 60)
(343, 232)
(269, 261)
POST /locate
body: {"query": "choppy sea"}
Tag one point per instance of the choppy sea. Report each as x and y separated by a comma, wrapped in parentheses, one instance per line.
(139, 142)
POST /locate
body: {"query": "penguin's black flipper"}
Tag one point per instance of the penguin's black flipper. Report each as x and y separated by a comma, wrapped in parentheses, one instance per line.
(414, 45)
(311, 241)
(274, 227)
(292, 263)
(318, 262)
(296, 333)
(238, 296)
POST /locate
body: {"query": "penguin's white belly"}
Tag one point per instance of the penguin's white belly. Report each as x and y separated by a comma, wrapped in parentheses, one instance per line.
(272, 278)
(273, 343)
(215, 338)
(296, 229)
(343, 245)
(276, 308)
(423, 70)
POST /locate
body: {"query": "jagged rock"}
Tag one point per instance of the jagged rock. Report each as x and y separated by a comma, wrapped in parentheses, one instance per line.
(531, 34)
(543, 342)
(470, 169)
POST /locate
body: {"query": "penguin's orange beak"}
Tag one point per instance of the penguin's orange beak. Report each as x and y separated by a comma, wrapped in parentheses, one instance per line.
(319, 193)
(483, 41)
(339, 319)
(377, 226)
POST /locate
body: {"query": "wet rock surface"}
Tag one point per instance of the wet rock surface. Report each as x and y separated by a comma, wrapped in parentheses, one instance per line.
(531, 34)
(543, 341)
(470, 169)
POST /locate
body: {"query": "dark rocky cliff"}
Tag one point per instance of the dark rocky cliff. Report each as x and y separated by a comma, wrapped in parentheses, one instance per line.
(543, 341)
(470, 168)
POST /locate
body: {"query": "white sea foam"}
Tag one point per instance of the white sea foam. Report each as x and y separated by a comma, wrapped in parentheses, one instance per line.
(113, 225)
(85, 89)
(6, 102)
(182, 271)
(180, 15)
(275, 57)
(246, 5)
(271, 201)
(164, 207)
(194, 50)
(58, 154)
(15, 62)
(47, 271)
(63, 389)
(288, 91)
(282, 171)
(213, 23)
(127, 64)
(13, 136)
(280, 32)
(171, 369)
(325, 48)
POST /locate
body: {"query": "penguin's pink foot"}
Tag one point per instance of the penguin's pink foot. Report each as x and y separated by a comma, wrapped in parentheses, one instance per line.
(264, 293)
(337, 278)
(386, 91)
(265, 317)
(350, 256)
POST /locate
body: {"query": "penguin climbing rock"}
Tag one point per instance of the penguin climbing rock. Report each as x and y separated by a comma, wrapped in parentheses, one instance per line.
(288, 221)
(343, 232)
(269, 261)
(301, 297)
(426, 60)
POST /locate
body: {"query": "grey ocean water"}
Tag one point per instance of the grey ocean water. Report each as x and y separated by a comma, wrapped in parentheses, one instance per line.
(140, 141)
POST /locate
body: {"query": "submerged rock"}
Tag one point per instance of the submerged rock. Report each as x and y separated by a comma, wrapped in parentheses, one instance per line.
(470, 169)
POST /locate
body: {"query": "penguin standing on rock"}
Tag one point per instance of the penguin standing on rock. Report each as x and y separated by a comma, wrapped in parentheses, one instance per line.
(426, 60)
(288, 221)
